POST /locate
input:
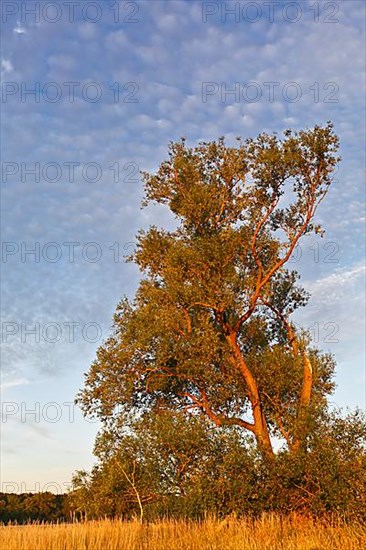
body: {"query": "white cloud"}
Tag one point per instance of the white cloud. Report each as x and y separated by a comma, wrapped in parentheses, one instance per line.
(6, 67)
(88, 31)
(343, 280)
(14, 383)
(19, 29)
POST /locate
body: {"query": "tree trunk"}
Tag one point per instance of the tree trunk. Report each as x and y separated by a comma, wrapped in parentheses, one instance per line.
(260, 428)
(262, 436)
(304, 402)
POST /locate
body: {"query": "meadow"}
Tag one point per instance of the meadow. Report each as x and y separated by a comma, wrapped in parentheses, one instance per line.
(270, 532)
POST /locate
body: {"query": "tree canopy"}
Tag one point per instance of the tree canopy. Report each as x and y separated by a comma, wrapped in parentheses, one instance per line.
(209, 330)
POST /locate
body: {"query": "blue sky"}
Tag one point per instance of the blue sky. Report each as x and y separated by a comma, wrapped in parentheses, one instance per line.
(112, 94)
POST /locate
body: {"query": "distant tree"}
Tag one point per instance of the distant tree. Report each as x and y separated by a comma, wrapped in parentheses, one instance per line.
(25, 507)
(209, 329)
(42, 506)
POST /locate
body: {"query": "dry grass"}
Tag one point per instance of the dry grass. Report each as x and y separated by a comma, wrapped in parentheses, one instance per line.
(268, 533)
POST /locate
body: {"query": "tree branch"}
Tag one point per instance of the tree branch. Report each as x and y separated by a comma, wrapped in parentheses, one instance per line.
(263, 281)
(131, 481)
(218, 419)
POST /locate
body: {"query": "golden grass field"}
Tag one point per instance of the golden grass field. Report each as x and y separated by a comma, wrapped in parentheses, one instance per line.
(268, 533)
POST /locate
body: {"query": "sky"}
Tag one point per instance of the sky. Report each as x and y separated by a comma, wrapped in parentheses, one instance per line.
(92, 93)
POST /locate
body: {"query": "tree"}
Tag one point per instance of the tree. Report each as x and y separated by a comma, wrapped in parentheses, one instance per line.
(181, 466)
(168, 463)
(209, 329)
(329, 478)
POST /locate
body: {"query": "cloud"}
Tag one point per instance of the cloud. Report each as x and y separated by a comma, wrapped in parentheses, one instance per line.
(6, 67)
(339, 282)
(18, 30)
(14, 383)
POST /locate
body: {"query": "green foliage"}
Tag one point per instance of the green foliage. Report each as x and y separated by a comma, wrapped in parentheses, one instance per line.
(329, 477)
(188, 468)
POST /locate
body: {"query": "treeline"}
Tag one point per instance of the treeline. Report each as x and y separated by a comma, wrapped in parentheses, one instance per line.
(26, 507)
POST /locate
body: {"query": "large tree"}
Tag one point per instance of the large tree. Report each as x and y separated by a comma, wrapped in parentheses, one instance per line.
(210, 327)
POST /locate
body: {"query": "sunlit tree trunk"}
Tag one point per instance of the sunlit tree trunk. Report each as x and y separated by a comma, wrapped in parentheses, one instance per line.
(260, 426)
(304, 403)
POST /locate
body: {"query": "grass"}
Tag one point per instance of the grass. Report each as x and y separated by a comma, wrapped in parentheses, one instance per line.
(268, 533)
